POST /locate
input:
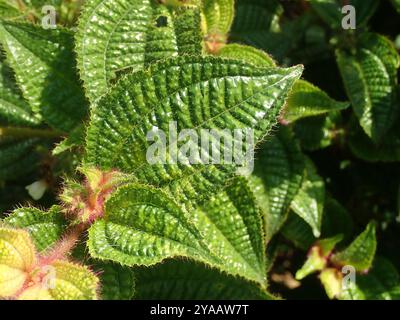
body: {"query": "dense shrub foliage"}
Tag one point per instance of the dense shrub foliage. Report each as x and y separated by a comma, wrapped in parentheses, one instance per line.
(86, 213)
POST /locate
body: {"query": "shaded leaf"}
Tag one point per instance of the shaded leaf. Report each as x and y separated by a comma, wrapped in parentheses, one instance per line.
(306, 100)
(360, 253)
(309, 202)
(181, 280)
(44, 65)
(277, 178)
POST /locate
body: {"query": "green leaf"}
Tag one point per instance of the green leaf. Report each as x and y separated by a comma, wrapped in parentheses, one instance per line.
(196, 92)
(115, 36)
(143, 226)
(253, 20)
(8, 10)
(246, 53)
(181, 280)
(381, 283)
(330, 11)
(298, 232)
(309, 202)
(318, 256)
(335, 220)
(218, 16)
(13, 108)
(370, 79)
(232, 227)
(387, 150)
(360, 253)
(319, 132)
(45, 227)
(44, 66)
(306, 100)
(277, 178)
(117, 282)
(75, 139)
(155, 228)
(17, 157)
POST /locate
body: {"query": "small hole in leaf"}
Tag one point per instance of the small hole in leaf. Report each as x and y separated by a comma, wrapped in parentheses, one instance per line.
(162, 21)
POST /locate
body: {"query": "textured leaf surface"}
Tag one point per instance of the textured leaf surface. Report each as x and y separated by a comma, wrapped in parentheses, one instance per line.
(277, 178)
(306, 100)
(232, 227)
(17, 254)
(253, 20)
(117, 35)
(196, 92)
(180, 280)
(45, 227)
(246, 53)
(17, 157)
(319, 132)
(142, 226)
(381, 283)
(117, 282)
(72, 282)
(13, 108)
(309, 202)
(43, 62)
(360, 253)
(370, 78)
(218, 15)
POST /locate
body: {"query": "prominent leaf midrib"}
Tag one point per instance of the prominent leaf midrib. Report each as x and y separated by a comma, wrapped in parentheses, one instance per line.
(137, 123)
(256, 272)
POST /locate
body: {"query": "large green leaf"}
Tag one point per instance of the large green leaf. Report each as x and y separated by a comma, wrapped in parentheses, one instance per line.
(197, 93)
(180, 280)
(44, 65)
(114, 36)
(232, 226)
(360, 253)
(306, 100)
(277, 178)
(155, 228)
(381, 283)
(46, 228)
(370, 78)
(309, 202)
(143, 226)
(13, 108)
